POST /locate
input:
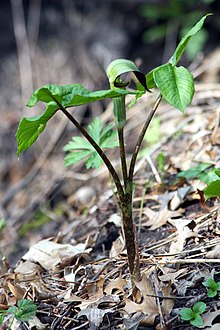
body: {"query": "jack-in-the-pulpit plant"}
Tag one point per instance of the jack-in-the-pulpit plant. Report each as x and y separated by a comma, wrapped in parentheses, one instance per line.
(176, 86)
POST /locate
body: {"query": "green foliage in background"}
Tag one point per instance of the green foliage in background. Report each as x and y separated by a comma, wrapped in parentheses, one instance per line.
(175, 16)
(79, 148)
(206, 173)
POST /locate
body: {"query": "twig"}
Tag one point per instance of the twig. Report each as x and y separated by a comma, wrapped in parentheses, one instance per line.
(153, 168)
(189, 261)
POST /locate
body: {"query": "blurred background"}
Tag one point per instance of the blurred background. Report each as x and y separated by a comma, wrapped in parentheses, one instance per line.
(73, 41)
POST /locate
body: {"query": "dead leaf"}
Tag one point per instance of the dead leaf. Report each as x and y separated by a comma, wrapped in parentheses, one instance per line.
(148, 306)
(16, 290)
(117, 284)
(91, 309)
(133, 322)
(183, 232)
(117, 248)
(159, 218)
(48, 254)
(171, 274)
(94, 315)
(208, 319)
(178, 197)
(214, 253)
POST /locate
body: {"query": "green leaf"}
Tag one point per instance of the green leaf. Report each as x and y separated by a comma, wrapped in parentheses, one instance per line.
(121, 66)
(150, 79)
(12, 310)
(79, 148)
(175, 84)
(26, 310)
(217, 172)
(213, 189)
(197, 321)
(2, 316)
(199, 307)
(212, 287)
(183, 43)
(212, 293)
(186, 314)
(56, 96)
(210, 283)
(208, 177)
(194, 172)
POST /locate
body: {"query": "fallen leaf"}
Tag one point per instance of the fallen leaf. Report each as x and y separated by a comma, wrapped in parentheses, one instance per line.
(214, 253)
(159, 218)
(94, 315)
(133, 322)
(148, 306)
(208, 319)
(183, 232)
(117, 248)
(48, 254)
(117, 284)
(91, 309)
(171, 274)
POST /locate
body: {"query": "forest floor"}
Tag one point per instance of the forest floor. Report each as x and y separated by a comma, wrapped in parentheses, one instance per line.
(63, 246)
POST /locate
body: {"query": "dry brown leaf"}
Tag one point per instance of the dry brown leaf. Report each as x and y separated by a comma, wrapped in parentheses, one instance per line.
(49, 254)
(94, 315)
(148, 306)
(183, 232)
(171, 274)
(133, 322)
(214, 253)
(117, 284)
(93, 302)
(167, 304)
(159, 218)
(16, 290)
(178, 197)
(208, 319)
(117, 247)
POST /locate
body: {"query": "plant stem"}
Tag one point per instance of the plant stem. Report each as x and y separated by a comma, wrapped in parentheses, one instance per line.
(98, 149)
(141, 137)
(123, 155)
(126, 206)
(130, 236)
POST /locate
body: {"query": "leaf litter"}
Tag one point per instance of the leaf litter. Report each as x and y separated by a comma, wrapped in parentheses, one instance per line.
(78, 277)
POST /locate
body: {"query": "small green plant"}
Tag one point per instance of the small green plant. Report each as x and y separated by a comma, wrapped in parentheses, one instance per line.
(25, 310)
(193, 315)
(212, 286)
(206, 173)
(2, 224)
(176, 86)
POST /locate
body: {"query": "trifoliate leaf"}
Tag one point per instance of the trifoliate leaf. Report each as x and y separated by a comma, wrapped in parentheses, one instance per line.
(79, 148)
